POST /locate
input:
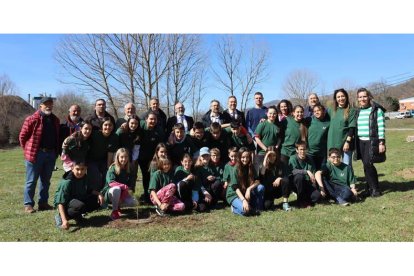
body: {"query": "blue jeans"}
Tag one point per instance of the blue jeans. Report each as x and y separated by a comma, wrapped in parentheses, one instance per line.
(347, 158)
(341, 193)
(256, 201)
(43, 168)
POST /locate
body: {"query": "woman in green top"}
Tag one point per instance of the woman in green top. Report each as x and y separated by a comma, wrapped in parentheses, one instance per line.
(318, 135)
(118, 187)
(295, 129)
(267, 134)
(342, 126)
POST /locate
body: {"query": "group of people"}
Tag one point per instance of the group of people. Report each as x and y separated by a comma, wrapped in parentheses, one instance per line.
(246, 161)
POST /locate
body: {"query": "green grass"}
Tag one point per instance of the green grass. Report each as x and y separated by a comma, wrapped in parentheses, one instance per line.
(387, 218)
(400, 123)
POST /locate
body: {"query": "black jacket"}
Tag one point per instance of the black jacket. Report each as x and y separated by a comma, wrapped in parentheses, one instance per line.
(240, 117)
(375, 155)
(224, 118)
(173, 120)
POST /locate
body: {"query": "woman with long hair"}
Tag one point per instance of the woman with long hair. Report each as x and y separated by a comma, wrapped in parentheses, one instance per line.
(76, 146)
(273, 175)
(244, 193)
(295, 129)
(285, 109)
(342, 126)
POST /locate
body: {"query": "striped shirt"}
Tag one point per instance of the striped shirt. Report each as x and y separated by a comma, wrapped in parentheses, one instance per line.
(363, 124)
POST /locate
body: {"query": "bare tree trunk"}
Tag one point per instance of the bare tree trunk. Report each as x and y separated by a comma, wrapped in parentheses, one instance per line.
(229, 56)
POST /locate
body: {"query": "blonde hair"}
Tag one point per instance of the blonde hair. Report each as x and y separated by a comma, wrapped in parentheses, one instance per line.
(216, 151)
(116, 161)
(162, 162)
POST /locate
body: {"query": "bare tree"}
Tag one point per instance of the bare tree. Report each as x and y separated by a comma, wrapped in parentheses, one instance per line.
(239, 73)
(85, 59)
(67, 98)
(197, 93)
(382, 93)
(124, 52)
(229, 56)
(299, 84)
(254, 74)
(185, 60)
(153, 62)
(7, 86)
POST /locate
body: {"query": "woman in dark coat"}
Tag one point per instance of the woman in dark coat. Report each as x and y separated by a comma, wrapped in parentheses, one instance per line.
(370, 142)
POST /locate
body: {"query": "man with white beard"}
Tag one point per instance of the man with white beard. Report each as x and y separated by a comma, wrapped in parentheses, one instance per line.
(39, 138)
(72, 123)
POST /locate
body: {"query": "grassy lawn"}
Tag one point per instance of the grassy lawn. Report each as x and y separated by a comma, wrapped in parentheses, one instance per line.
(387, 218)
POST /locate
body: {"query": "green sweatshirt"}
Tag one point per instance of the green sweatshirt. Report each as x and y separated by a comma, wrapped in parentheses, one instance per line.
(340, 175)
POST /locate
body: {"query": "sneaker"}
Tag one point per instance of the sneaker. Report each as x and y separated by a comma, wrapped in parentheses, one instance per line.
(58, 220)
(345, 204)
(286, 207)
(160, 212)
(115, 215)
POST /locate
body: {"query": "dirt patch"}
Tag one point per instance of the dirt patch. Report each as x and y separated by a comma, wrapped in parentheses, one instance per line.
(406, 173)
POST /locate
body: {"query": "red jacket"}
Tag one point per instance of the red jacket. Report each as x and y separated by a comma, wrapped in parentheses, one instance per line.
(31, 133)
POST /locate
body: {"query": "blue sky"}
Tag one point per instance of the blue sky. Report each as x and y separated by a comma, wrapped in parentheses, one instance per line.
(359, 58)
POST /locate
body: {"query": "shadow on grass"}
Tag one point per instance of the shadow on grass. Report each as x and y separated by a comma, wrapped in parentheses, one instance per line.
(388, 187)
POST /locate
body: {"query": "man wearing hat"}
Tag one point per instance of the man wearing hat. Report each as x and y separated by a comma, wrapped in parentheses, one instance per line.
(39, 138)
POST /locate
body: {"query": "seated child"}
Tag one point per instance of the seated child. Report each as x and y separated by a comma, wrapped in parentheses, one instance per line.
(244, 193)
(210, 185)
(119, 184)
(162, 189)
(273, 176)
(338, 178)
(301, 173)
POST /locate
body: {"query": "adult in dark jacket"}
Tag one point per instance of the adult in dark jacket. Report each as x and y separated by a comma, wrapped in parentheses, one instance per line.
(215, 116)
(161, 117)
(98, 116)
(179, 117)
(370, 142)
(234, 113)
(129, 111)
(39, 138)
(72, 123)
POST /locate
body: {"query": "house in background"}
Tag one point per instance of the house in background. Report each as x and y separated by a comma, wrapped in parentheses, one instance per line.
(407, 104)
